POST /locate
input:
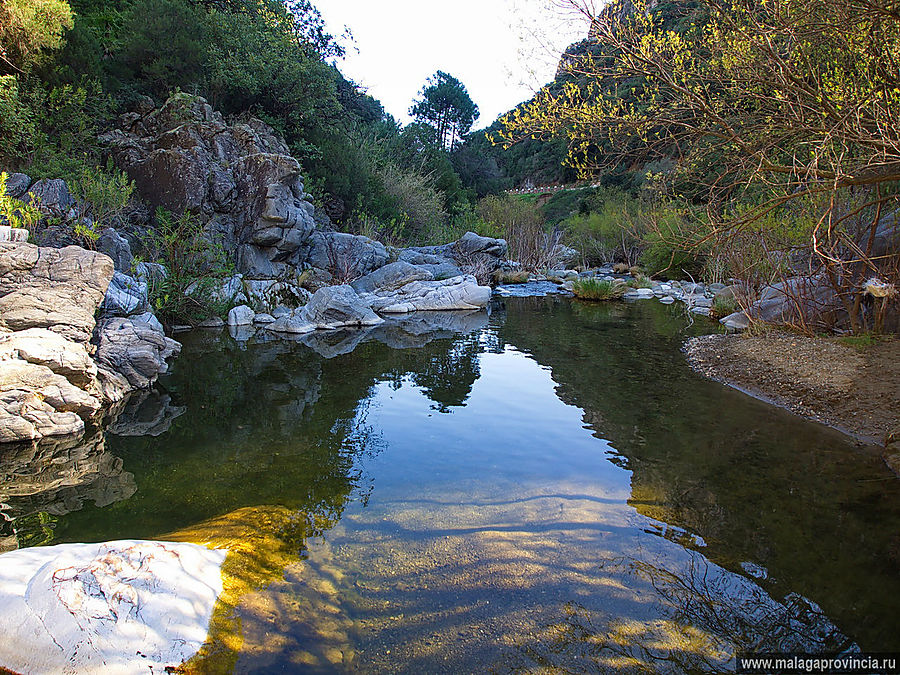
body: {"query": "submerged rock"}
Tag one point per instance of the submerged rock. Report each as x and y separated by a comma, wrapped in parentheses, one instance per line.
(122, 607)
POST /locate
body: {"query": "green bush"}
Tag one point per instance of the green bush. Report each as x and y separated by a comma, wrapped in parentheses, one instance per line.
(14, 212)
(676, 246)
(607, 231)
(17, 122)
(723, 306)
(104, 192)
(598, 289)
(195, 267)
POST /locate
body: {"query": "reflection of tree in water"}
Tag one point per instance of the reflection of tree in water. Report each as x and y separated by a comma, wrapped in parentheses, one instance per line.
(756, 484)
(447, 376)
(708, 615)
(270, 423)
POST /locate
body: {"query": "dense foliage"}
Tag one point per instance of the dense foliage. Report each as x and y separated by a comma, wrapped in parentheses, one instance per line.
(68, 69)
(772, 125)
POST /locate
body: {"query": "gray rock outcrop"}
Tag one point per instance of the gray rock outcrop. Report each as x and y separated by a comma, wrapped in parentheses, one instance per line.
(17, 185)
(345, 256)
(51, 380)
(456, 293)
(337, 307)
(58, 289)
(471, 254)
(116, 247)
(239, 178)
(390, 278)
(134, 349)
(125, 296)
(51, 196)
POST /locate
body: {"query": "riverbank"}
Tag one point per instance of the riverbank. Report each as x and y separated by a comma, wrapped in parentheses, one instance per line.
(854, 388)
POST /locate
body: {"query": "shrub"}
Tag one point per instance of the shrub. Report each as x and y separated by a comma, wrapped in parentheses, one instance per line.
(520, 222)
(640, 281)
(17, 121)
(608, 232)
(723, 306)
(598, 289)
(14, 212)
(196, 268)
(103, 193)
(420, 204)
(676, 243)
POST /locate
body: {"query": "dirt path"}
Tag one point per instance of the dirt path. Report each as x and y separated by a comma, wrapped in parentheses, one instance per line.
(855, 389)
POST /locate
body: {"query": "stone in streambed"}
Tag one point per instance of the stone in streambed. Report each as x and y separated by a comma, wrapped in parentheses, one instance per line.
(122, 607)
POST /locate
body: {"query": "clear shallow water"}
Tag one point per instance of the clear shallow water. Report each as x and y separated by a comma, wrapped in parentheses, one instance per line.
(548, 488)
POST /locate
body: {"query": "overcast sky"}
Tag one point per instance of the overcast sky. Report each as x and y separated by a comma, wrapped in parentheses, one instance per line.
(502, 50)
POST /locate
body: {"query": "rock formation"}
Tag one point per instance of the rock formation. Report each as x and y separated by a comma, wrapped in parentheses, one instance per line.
(120, 607)
(239, 178)
(52, 377)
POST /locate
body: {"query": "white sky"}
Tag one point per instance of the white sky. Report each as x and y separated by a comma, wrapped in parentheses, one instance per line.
(501, 50)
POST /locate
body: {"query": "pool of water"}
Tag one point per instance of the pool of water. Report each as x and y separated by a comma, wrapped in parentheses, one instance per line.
(548, 488)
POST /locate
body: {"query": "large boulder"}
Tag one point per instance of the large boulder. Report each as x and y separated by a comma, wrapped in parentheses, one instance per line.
(798, 299)
(36, 402)
(113, 607)
(52, 380)
(42, 347)
(238, 178)
(17, 185)
(241, 316)
(448, 294)
(471, 254)
(336, 307)
(390, 278)
(474, 244)
(125, 296)
(136, 350)
(116, 247)
(267, 294)
(57, 289)
(345, 256)
(51, 196)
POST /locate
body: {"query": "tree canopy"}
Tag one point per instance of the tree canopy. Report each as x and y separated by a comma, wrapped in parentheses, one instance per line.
(445, 104)
(28, 28)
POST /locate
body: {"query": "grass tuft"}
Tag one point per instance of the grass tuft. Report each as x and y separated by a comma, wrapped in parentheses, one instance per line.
(598, 289)
(519, 277)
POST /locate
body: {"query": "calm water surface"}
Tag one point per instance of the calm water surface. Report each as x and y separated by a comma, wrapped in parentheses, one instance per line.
(548, 489)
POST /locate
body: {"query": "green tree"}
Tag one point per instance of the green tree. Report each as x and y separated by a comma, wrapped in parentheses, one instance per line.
(778, 112)
(445, 105)
(28, 29)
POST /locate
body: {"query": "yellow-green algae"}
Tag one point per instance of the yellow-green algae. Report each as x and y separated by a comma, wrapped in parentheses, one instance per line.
(261, 542)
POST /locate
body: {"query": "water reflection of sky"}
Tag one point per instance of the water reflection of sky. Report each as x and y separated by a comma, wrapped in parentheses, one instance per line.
(550, 488)
(502, 537)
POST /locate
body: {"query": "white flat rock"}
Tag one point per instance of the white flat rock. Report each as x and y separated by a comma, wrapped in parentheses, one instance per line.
(114, 607)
